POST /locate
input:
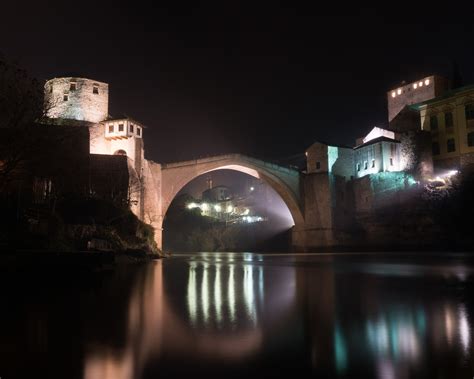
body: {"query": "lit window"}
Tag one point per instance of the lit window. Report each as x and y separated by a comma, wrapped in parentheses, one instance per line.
(435, 148)
(131, 128)
(415, 85)
(95, 90)
(399, 91)
(139, 131)
(427, 81)
(450, 145)
(365, 165)
(72, 86)
(393, 94)
(420, 84)
(120, 127)
(318, 165)
(373, 163)
(65, 97)
(391, 161)
(111, 128)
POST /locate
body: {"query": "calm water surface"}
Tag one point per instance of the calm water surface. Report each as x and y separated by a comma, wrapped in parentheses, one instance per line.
(244, 315)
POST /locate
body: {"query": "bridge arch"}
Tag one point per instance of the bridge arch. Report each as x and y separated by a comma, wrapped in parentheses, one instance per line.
(284, 181)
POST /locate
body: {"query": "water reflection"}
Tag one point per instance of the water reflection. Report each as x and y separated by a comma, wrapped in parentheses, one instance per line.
(246, 314)
(235, 306)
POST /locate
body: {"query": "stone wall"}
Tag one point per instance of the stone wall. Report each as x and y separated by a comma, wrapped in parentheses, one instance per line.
(88, 101)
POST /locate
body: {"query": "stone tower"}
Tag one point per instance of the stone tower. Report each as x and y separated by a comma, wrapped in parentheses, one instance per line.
(75, 98)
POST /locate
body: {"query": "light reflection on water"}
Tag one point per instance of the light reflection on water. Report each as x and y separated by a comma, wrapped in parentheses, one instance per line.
(288, 315)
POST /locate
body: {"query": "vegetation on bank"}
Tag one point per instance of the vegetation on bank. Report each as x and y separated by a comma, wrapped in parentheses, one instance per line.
(76, 224)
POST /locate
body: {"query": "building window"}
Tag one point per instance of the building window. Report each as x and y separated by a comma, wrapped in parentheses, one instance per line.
(451, 146)
(51, 88)
(435, 148)
(95, 90)
(139, 131)
(65, 97)
(469, 110)
(120, 127)
(72, 86)
(365, 165)
(391, 161)
(434, 123)
(131, 128)
(111, 128)
(358, 166)
(448, 119)
(373, 163)
(470, 139)
(318, 165)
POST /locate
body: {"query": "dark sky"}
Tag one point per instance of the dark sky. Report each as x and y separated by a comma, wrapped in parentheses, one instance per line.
(223, 77)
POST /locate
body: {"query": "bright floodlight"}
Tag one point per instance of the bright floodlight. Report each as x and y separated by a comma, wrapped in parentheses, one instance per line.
(230, 209)
(252, 188)
(192, 205)
(204, 206)
(246, 212)
(217, 208)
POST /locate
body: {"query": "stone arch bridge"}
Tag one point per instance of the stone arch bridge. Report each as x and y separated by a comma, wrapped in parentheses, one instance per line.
(162, 182)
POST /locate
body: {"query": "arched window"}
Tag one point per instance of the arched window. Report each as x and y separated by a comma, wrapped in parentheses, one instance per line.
(120, 152)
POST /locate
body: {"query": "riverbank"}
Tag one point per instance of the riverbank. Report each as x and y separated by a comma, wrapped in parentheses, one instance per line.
(89, 260)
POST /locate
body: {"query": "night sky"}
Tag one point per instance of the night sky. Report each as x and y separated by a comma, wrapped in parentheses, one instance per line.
(225, 77)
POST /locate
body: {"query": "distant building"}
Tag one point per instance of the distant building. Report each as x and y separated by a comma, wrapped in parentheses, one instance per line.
(450, 121)
(421, 90)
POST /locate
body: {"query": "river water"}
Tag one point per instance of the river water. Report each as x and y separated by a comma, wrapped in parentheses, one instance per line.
(244, 315)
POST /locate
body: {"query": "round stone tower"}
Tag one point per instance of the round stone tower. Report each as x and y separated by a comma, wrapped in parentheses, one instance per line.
(76, 98)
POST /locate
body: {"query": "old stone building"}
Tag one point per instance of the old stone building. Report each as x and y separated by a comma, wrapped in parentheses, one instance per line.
(334, 202)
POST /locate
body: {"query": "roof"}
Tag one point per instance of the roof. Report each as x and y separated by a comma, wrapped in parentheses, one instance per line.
(329, 144)
(377, 140)
(123, 117)
(444, 96)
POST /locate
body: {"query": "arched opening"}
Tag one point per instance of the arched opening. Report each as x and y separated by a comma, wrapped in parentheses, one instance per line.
(229, 208)
(120, 152)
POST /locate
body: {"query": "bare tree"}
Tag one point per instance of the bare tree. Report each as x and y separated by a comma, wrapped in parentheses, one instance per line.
(22, 108)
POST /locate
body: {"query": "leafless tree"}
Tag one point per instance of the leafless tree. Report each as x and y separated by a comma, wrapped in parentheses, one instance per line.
(22, 109)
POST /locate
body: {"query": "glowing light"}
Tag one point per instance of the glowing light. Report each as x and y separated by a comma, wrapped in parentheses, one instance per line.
(218, 294)
(420, 84)
(248, 292)
(205, 295)
(427, 81)
(217, 208)
(231, 293)
(464, 332)
(192, 205)
(230, 209)
(415, 85)
(393, 95)
(252, 188)
(192, 295)
(399, 91)
(246, 212)
(205, 206)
